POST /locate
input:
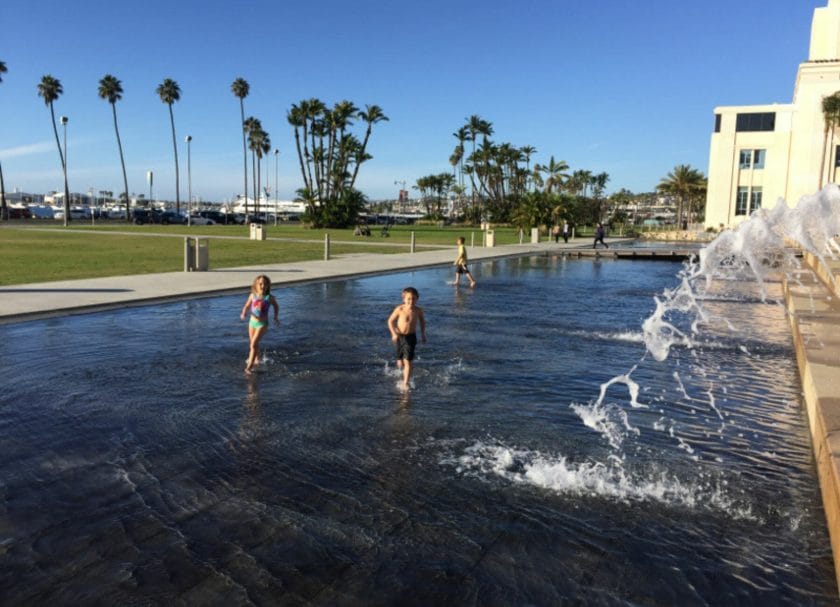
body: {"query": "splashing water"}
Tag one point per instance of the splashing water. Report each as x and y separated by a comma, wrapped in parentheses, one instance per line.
(557, 473)
(763, 244)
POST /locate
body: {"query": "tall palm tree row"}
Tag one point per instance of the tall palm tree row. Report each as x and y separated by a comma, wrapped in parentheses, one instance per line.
(502, 180)
(110, 89)
(685, 184)
(4, 210)
(330, 156)
(240, 89)
(50, 89)
(169, 92)
(433, 191)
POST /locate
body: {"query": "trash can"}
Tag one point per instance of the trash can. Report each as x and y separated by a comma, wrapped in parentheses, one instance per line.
(535, 235)
(202, 254)
(490, 238)
(257, 231)
(189, 254)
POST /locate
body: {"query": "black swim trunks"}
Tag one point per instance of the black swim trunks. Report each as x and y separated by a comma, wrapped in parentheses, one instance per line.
(461, 268)
(406, 345)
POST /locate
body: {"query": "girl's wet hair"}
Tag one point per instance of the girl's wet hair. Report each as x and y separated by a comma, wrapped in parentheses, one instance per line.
(412, 290)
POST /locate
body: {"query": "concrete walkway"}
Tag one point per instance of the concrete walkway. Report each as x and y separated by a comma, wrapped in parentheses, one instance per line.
(59, 298)
(813, 304)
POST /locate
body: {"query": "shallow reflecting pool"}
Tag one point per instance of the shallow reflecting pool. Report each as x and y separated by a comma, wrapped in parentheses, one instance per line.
(141, 466)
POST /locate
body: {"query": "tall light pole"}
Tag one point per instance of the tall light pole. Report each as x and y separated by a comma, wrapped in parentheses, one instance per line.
(150, 176)
(276, 173)
(189, 182)
(92, 204)
(64, 121)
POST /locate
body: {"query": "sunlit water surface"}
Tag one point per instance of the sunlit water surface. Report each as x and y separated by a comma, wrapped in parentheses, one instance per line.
(141, 466)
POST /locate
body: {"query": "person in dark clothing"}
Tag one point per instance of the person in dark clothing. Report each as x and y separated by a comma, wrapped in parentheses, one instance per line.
(599, 237)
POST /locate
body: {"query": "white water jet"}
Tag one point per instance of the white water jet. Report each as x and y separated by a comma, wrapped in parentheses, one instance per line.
(764, 244)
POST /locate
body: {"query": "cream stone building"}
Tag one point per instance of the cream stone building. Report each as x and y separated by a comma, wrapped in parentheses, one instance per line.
(760, 153)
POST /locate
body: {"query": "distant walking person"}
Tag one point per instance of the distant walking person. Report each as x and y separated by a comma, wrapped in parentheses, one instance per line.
(259, 301)
(555, 231)
(461, 263)
(566, 231)
(599, 237)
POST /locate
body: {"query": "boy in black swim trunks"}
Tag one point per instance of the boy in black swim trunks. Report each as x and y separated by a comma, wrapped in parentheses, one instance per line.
(403, 327)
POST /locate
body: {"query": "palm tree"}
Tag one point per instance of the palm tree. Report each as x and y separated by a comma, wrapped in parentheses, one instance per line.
(599, 184)
(371, 115)
(4, 211)
(831, 116)
(684, 182)
(50, 89)
(252, 125)
(462, 135)
(527, 152)
(240, 89)
(260, 144)
(110, 89)
(555, 172)
(297, 119)
(169, 92)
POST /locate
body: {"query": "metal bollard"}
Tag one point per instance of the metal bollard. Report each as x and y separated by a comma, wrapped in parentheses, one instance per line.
(326, 247)
(472, 239)
(189, 254)
(412, 242)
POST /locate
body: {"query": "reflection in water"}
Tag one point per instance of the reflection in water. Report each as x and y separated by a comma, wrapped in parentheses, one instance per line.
(141, 466)
(252, 409)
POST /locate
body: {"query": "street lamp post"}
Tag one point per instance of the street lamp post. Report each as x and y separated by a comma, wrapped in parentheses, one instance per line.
(189, 182)
(64, 121)
(276, 172)
(150, 176)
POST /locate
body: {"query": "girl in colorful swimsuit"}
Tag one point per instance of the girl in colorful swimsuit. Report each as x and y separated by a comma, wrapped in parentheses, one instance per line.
(258, 303)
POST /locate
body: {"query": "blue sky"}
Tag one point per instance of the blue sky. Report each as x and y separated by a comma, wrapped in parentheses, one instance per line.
(626, 88)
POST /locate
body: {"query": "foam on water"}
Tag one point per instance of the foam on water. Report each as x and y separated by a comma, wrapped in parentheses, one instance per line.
(559, 474)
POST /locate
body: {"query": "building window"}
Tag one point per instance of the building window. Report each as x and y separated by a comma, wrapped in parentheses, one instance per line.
(751, 159)
(755, 121)
(755, 199)
(745, 159)
(717, 123)
(741, 202)
(837, 156)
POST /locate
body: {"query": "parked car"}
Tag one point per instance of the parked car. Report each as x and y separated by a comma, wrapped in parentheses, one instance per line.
(256, 219)
(198, 220)
(168, 217)
(141, 216)
(217, 216)
(19, 213)
(74, 214)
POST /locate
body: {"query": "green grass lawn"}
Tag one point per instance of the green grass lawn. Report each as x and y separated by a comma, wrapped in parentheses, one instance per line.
(35, 251)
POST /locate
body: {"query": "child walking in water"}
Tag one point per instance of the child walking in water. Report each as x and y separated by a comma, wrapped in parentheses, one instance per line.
(258, 302)
(403, 327)
(461, 263)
